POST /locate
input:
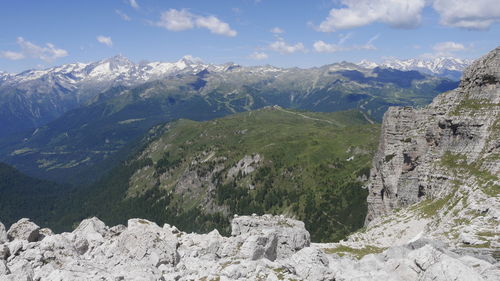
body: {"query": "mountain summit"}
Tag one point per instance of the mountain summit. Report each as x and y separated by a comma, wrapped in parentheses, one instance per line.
(448, 67)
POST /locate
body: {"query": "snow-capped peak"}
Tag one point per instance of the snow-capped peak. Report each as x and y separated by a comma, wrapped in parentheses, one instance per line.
(442, 66)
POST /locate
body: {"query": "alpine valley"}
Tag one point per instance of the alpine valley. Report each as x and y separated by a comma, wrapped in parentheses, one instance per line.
(69, 122)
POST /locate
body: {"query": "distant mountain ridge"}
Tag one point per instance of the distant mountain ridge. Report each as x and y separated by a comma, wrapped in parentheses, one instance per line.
(33, 98)
(448, 67)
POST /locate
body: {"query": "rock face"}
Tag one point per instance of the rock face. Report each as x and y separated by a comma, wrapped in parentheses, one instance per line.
(445, 156)
(260, 248)
(464, 121)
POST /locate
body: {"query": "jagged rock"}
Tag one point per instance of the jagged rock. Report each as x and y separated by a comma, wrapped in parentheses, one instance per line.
(450, 269)
(413, 140)
(44, 232)
(310, 264)
(24, 229)
(145, 251)
(4, 270)
(145, 240)
(3, 234)
(273, 237)
(4, 252)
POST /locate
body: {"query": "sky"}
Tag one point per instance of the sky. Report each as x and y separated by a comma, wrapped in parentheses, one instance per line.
(284, 33)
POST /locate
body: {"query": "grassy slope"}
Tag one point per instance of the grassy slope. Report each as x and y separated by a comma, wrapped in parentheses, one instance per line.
(304, 173)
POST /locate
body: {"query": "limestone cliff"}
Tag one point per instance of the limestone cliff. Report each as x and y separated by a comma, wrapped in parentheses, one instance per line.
(446, 158)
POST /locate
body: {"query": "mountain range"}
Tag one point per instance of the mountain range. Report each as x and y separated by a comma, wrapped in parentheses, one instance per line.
(448, 67)
(33, 98)
(61, 122)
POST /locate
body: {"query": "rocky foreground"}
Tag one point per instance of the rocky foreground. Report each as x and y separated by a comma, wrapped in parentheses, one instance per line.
(260, 248)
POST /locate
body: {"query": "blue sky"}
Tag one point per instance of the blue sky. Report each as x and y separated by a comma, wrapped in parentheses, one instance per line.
(40, 34)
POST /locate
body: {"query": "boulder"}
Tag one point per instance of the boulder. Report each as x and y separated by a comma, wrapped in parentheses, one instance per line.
(24, 229)
(277, 236)
(147, 242)
(3, 234)
(89, 234)
(310, 264)
(450, 269)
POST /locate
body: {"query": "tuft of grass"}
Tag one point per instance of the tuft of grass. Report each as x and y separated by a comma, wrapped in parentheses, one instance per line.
(356, 252)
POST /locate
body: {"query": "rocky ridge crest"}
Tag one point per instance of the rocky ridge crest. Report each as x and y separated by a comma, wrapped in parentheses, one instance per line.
(260, 248)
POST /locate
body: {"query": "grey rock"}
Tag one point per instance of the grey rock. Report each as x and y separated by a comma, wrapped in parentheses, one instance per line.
(24, 229)
(4, 252)
(4, 270)
(44, 232)
(413, 140)
(280, 237)
(3, 234)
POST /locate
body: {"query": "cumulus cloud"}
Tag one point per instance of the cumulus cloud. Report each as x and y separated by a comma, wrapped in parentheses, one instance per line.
(323, 47)
(133, 4)
(12, 55)
(470, 14)
(282, 47)
(355, 13)
(105, 40)
(259, 56)
(178, 20)
(277, 30)
(447, 48)
(47, 53)
(122, 15)
(215, 26)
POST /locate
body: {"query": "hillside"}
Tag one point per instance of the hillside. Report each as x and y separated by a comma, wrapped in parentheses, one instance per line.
(24, 196)
(81, 138)
(197, 174)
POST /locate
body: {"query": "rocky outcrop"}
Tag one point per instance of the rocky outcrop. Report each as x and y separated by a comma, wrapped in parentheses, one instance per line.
(270, 237)
(260, 248)
(446, 158)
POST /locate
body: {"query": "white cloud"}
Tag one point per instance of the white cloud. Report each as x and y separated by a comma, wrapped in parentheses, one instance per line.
(133, 4)
(178, 20)
(282, 47)
(105, 40)
(323, 47)
(259, 56)
(122, 15)
(470, 14)
(356, 13)
(48, 53)
(215, 26)
(447, 48)
(277, 30)
(11, 55)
